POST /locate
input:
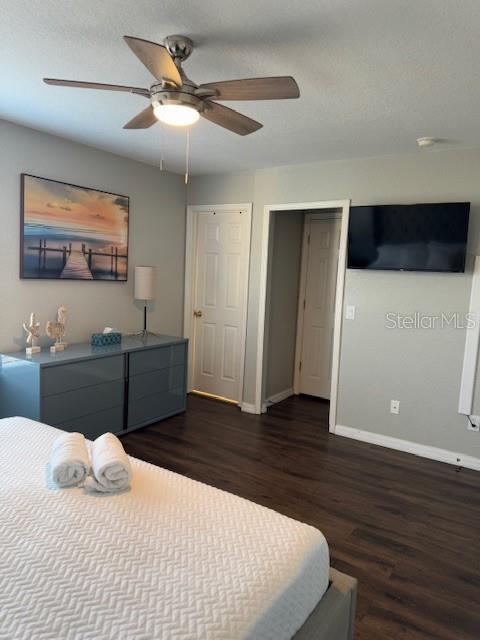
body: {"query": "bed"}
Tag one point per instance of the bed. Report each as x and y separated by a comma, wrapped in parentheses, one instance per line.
(170, 559)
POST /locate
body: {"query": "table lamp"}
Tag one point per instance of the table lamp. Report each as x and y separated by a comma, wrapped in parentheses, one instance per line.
(144, 289)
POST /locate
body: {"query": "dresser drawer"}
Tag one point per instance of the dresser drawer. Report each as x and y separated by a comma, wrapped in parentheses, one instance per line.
(95, 424)
(158, 358)
(155, 407)
(86, 373)
(80, 402)
(148, 384)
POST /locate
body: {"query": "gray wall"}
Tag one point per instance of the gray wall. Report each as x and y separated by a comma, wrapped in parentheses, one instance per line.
(421, 369)
(157, 237)
(282, 300)
(234, 188)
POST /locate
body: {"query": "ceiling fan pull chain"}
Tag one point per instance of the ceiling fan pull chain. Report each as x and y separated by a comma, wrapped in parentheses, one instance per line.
(187, 153)
(162, 146)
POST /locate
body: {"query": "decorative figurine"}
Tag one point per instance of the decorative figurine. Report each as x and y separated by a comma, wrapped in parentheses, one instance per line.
(33, 331)
(56, 330)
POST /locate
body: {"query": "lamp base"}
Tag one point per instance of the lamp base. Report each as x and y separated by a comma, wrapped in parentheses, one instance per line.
(145, 333)
(142, 334)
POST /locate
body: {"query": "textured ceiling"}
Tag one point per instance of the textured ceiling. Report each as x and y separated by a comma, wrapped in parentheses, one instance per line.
(373, 74)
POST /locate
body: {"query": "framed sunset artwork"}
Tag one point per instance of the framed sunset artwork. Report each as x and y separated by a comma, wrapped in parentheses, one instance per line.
(70, 232)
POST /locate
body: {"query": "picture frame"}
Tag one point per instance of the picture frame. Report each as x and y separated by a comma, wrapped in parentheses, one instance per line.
(71, 232)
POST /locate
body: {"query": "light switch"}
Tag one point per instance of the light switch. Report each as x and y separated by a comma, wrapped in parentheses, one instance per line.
(350, 312)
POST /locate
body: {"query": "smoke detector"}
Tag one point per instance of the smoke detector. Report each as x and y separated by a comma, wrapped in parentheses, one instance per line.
(426, 141)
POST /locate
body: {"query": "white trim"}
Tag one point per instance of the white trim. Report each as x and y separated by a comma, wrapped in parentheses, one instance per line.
(337, 330)
(268, 309)
(247, 407)
(268, 209)
(472, 339)
(190, 235)
(262, 301)
(422, 450)
(189, 293)
(278, 397)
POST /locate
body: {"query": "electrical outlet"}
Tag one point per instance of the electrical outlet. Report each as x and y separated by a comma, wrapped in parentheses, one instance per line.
(474, 423)
(395, 406)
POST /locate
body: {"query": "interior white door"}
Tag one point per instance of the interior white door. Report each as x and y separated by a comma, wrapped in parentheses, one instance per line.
(220, 301)
(319, 307)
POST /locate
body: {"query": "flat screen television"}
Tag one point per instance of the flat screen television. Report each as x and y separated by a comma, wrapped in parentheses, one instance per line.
(414, 237)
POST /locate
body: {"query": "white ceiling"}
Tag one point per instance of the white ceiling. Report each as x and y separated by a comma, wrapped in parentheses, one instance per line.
(373, 74)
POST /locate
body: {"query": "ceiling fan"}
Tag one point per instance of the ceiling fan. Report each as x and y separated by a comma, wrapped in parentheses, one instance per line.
(177, 100)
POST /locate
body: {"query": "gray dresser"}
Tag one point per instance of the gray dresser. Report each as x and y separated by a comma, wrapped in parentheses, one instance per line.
(97, 389)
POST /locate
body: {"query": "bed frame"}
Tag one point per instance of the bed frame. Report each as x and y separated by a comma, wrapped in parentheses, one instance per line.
(334, 616)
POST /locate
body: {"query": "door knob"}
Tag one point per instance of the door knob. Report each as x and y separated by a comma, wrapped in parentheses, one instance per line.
(198, 313)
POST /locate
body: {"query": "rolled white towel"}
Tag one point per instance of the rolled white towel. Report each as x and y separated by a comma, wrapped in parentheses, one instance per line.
(69, 460)
(110, 466)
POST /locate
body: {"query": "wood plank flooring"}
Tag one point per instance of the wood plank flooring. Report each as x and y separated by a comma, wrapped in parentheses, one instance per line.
(406, 527)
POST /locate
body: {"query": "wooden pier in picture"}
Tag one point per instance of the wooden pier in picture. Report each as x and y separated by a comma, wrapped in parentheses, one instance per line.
(76, 268)
(113, 255)
(43, 250)
(77, 265)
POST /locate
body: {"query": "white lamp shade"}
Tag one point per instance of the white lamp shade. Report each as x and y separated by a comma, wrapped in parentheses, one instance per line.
(144, 285)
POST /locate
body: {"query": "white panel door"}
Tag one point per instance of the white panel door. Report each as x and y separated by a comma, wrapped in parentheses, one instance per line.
(318, 318)
(220, 301)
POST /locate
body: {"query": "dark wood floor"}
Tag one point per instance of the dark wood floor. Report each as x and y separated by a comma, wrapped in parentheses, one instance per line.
(407, 528)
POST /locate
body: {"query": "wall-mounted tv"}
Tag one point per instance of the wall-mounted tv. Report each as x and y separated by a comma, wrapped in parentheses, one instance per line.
(415, 237)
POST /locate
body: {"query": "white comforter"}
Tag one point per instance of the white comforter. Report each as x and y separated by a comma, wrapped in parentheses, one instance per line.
(173, 559)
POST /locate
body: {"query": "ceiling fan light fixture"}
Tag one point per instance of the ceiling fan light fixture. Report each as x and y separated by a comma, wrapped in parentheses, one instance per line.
(177, 115)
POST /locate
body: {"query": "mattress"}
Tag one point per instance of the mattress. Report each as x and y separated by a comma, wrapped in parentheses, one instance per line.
(171, 559)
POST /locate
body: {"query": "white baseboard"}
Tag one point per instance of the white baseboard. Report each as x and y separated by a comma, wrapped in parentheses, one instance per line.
(278, 397)
(248, 407)
(422, 450)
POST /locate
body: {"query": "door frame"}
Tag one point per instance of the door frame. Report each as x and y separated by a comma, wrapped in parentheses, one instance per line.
(189, 290)
(309, 218)
(268, 211)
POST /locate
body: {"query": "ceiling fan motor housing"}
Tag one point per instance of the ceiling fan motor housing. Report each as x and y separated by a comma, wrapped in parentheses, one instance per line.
(185, 95)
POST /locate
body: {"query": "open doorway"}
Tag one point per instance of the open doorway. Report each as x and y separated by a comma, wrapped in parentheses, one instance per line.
(304, 272)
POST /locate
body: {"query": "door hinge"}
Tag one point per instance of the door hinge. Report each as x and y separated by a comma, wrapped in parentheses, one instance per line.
(304, 303)
(308, 239)
(300, 365)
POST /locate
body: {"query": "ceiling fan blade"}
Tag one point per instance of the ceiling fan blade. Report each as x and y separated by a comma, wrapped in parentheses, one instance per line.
(156, 58)
(97, 85)
(142, 120)
(230, 119)
(275, 88)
